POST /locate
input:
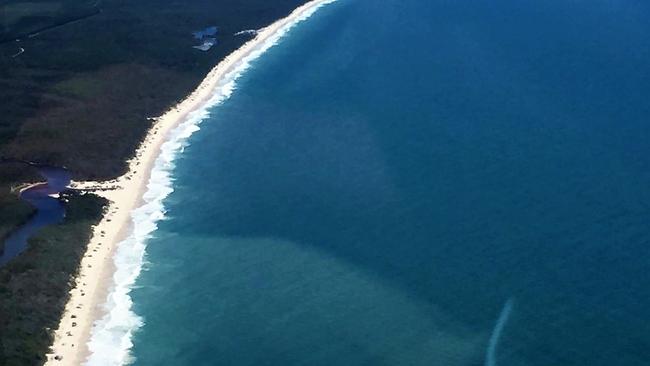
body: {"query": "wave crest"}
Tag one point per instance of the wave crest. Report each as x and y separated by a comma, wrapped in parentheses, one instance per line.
(112, 336)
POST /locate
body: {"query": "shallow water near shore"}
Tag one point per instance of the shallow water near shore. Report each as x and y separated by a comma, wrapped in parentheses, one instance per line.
(416, 183)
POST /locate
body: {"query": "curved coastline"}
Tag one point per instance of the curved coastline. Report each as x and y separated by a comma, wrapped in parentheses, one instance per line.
(98, 322)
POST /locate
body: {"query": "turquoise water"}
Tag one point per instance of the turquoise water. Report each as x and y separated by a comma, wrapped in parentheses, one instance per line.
(416, 183)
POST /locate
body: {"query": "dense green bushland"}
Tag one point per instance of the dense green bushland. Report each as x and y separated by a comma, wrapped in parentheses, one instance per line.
(13, 210)
(34, 287)
(20, 19)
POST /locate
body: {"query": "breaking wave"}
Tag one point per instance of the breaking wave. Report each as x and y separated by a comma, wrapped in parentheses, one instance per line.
(111, 337)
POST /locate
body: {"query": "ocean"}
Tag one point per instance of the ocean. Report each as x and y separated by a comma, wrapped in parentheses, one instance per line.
(406, 182)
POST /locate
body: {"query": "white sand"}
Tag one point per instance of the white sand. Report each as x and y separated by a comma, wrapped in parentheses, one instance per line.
(125, 194)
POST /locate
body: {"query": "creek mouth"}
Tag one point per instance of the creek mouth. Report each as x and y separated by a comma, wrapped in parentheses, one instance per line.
(50, 210)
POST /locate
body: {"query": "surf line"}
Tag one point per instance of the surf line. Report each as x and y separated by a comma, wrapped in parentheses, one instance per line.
(491, 353)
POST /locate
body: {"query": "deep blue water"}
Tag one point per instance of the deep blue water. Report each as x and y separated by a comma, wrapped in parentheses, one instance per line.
(406, 182)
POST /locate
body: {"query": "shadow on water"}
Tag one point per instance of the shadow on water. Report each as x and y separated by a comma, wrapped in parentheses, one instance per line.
(50, 210)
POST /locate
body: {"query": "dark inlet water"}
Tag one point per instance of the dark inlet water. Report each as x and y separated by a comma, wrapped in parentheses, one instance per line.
(49, 211)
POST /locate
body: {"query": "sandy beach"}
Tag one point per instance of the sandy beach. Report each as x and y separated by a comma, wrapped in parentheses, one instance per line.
(95, 276)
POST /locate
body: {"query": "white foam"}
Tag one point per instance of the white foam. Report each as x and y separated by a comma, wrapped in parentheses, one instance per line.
(491, 353)
(111, 337)
(250, 32)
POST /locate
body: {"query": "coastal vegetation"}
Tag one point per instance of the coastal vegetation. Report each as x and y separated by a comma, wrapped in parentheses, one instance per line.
(34, 286)
(13, 210)
(79, 84)
(20, 19)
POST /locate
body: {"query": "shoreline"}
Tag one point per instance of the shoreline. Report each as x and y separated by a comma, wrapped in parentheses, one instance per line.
(21, 189)
(94, 280)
